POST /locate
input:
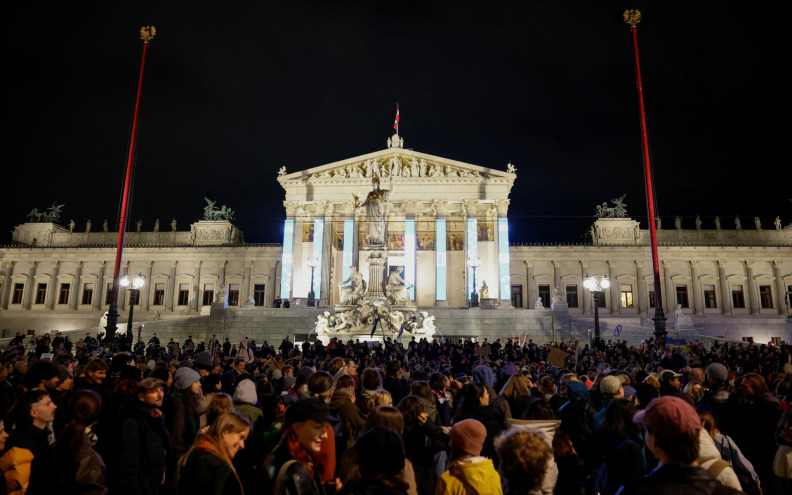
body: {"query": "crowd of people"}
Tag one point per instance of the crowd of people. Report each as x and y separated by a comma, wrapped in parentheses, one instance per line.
(420, 417)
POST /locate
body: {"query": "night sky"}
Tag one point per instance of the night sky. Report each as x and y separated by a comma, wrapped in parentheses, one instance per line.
(234, 90)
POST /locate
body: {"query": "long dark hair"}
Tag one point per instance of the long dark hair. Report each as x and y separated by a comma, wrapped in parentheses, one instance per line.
(85, 406)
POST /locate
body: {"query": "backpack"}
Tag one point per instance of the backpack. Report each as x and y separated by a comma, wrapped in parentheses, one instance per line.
(598, 477)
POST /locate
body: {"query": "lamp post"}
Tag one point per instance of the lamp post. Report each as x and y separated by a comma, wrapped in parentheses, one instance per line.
(312, 263)
(134, 291)
(596, 284)
(474, 297)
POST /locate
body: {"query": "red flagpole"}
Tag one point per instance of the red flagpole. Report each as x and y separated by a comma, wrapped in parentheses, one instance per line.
(146, 34)
(633, 17)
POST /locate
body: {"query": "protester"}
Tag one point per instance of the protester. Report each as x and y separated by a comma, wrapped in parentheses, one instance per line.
(523, 455)
(469, 473)
(381, 458)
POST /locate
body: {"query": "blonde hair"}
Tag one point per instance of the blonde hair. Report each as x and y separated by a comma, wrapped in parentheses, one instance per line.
(229, 422)
(515, 387)
(381, 397)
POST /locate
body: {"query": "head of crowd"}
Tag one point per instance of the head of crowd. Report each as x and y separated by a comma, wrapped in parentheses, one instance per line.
(430, 417)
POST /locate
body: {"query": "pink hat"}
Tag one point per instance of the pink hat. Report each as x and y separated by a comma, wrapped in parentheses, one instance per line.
(469, 436)
(668, 417)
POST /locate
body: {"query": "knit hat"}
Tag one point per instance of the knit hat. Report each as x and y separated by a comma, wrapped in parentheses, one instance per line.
(150, 384)
(305, 409)
(380, 450)
(303, 374)
(509, 370)
(669, 417)
(246, 392)
(203, 361)
(468, 435)
(717, 372)
(483, 375)
(185, 377)
(610, 385)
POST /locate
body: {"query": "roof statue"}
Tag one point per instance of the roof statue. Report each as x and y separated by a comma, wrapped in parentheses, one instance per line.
(52, 214)
(282, 171)
(618, 210)
(511, 168)
(212, 213)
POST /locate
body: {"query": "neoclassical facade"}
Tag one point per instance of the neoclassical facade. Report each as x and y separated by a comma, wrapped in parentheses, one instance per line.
(442, 218)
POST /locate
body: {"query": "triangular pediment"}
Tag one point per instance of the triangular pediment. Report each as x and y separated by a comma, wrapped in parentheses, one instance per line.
(396, 164)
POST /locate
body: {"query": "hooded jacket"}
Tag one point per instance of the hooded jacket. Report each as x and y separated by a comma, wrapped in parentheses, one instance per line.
(471, 476)
(352, 420)
(245, 400)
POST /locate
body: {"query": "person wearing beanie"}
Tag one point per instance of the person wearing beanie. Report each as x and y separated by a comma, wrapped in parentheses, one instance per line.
(469, 473)
(717, 393)
(183, 410)
(245, 400)
(304, 431)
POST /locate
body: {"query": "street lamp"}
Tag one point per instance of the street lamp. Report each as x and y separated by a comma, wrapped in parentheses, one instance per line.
(312, 263)
(597, 284)
(474, 297)
(134, 290)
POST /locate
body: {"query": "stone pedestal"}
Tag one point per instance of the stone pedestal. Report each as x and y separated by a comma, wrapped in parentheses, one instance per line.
(684, 325)
(214, 233)
(377, 258)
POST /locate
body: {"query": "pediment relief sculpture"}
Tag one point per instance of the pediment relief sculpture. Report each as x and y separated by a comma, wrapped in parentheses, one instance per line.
(396, 166)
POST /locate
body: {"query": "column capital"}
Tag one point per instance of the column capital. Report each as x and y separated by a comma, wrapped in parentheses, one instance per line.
(349, 207)
(440, 206)
(777, 264)
(722, 263)
(665, 264)
(10, 264)
(556, 264)
(749, 264)
(528, 264)
(248, 263)
(409, 205)
(502, 205)
(174, 264)
(693, 264)
(291, 207)
(320, 206)
(610, 263)
(638, 263)
(471, 206)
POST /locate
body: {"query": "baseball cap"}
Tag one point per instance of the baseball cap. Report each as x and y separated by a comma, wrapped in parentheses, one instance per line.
(669, 417)
(610, 385)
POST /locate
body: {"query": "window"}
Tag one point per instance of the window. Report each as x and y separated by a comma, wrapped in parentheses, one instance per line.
(682, 295)
(109, 294)
(233, 294)
(709, 297)
(544, 295)
(651, 296)
(258, 294)
(134, 297)
(159, 294)
(41, 293)
(63, 295)
(738, 298)
(766, 296)
(572, 296)
(626, 296)
(19, 289)
(184, 295)
(87, 296)
(516, 296)
(208, 294)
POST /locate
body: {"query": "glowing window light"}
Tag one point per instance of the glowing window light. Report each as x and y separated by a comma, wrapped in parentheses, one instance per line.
(286, 259)
(440, 270)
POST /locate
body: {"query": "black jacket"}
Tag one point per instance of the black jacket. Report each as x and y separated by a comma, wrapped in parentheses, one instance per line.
(206, 473)
(676, 480)
(296, 481)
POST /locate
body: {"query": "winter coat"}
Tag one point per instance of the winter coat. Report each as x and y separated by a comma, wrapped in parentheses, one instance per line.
(709, 454)
(182, 425)
(27, 452)
(206, 472)
(492, 421)
(471, 476)
(678, 480)
(245, 400)
(782, 464)
(141, 453)
(296, 480)
(352, 420)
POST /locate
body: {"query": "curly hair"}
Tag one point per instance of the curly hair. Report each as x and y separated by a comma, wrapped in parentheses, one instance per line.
(410, 407)
(523, 454)
(372, 380)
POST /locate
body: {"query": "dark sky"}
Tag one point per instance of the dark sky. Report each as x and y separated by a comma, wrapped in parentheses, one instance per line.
(234, 90)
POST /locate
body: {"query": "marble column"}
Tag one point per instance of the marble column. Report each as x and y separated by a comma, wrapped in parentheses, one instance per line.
(697, 305)
(145, 291)
(7, 284)
(582, 296)
(502, 253)
(326, 297)
(531, 286)
(170, 287)
(74, 294)
(440, 208)
(725, 289)
(670, 290)
(557, 276)
(221, 276)
(30, 286)
(269, 291)
(751, 293)
(642, 304)
(470, 211)
(244, 290)
(286, 289)
(780, 290)
(52, 287)
(615, 301)
(196, 301)
(410, 249)
(101, 287)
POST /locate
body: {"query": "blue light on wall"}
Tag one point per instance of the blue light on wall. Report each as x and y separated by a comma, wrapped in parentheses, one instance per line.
(409, 251)
(440, 270)
(349, 239)
(286, 259)
(472, 250)
(503, 258)
(317, 254)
